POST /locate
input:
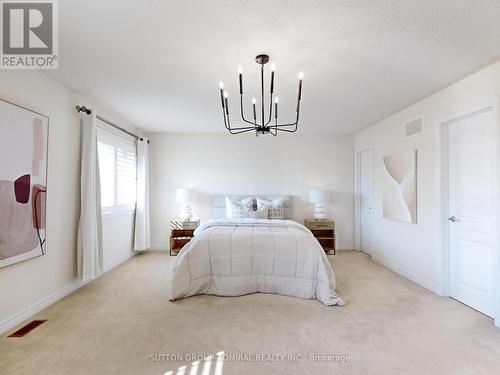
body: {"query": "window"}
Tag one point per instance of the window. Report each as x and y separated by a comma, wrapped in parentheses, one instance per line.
(118, 173)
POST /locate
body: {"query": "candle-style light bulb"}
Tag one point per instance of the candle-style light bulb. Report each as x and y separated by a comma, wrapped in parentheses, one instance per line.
(273, 67)
(240, 70)
(254, 100)
(301, 75)
(221, 85)
(276, 100)
(226, 94)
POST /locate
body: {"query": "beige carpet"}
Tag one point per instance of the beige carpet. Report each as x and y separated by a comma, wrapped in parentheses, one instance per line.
(123, 323)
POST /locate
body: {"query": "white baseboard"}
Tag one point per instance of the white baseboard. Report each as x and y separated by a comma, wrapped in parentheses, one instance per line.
(345, 246)
(15, 319)
(159, 247)
(341, 245)
(117, 262)
(416, 279)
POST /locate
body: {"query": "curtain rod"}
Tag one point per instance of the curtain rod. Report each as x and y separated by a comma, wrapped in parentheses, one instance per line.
(82, 108)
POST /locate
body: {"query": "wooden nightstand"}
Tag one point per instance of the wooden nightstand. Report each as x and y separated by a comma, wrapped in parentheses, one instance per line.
(324, 231)
(181, 232)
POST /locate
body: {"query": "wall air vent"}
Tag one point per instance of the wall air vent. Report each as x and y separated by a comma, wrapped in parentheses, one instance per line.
(414, 127)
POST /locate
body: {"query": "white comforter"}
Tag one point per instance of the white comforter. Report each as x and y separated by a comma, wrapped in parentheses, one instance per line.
(233, 258)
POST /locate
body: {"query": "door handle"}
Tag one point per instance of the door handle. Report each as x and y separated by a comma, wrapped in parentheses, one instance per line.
(453, 219)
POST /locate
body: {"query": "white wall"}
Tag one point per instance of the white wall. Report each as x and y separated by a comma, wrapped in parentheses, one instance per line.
(27, 284)
(416, 250)
(244, 164)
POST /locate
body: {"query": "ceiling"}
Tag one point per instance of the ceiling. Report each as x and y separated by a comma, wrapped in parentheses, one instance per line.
(158, 63)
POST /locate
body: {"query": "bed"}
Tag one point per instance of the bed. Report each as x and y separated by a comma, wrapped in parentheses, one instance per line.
(234, 257)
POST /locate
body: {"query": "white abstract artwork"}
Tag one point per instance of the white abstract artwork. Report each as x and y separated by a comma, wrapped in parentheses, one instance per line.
(23, 181)
(400, 187)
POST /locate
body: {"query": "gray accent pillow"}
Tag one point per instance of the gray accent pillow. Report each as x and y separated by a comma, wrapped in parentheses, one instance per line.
(276, 208)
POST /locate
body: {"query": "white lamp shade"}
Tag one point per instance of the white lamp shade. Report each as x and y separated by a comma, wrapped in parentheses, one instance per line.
(319, 196)
(182, 195)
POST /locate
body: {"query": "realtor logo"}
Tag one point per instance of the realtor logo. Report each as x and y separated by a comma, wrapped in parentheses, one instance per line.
(29, 34)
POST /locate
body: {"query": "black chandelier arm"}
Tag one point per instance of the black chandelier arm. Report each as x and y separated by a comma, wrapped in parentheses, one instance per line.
(242, 114)
(290, 124)
(271, 128)
(262, 91)
(270, 99)
(293, 123)
(239, 130)
(224, 115)
(242, 131)
(270, 109)
(288, 130)
(284, 125)
(245, 128)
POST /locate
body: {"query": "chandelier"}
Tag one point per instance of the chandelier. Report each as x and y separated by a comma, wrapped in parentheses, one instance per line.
(265, 125)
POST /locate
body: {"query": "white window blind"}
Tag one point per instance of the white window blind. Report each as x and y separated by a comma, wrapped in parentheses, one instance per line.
(118, 172)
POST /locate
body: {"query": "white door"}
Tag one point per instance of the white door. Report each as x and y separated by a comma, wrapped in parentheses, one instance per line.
(365, 158)
(473, 158)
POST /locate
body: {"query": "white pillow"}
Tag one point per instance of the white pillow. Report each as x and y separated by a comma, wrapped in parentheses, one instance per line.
(238, 209)
(276, 207)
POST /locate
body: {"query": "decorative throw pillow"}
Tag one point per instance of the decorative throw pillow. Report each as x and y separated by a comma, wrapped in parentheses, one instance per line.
(276, 208)
(238, 209)
(261, 213)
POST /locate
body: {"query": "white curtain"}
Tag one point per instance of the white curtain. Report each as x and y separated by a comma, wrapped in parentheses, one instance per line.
(90, 225)
(142, 239)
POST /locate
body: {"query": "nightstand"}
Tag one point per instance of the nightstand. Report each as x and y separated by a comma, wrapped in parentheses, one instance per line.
(324, 232)
(181, 232)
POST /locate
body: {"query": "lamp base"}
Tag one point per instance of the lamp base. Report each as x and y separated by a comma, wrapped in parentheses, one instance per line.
(186, 214)
(319, 212)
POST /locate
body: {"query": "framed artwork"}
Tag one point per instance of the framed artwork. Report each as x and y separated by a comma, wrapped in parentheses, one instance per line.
(400, 187)
(23, 183)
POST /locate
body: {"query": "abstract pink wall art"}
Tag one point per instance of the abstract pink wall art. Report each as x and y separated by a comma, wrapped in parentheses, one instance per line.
(23, 181)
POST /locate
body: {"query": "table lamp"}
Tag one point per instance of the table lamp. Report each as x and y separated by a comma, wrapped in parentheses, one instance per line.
(183, 196)
(319, 198)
